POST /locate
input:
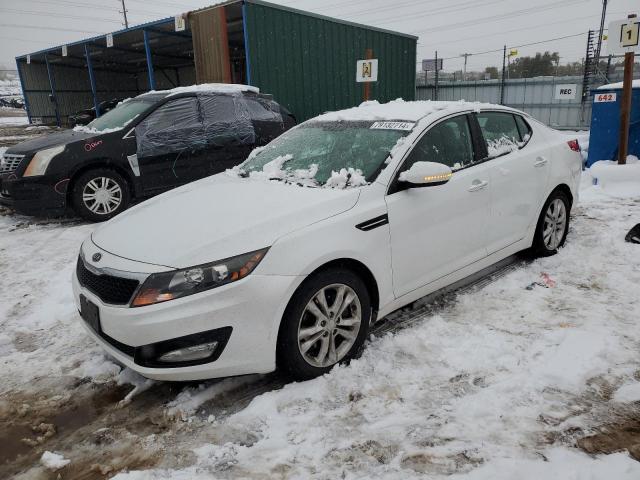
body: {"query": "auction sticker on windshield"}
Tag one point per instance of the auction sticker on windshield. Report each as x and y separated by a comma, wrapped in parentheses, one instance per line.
(393, 125)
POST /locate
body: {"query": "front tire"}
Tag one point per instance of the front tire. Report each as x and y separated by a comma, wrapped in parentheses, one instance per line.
(100, 194)
(325, 323)
(553, 225)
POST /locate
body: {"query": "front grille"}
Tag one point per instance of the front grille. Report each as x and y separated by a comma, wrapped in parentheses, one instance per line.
(9, 162)
(110, 289)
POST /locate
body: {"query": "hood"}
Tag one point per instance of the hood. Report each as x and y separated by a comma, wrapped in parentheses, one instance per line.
(216, 218)
(47, 141)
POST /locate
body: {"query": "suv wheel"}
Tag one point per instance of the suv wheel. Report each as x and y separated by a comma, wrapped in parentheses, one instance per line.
(325, 323)
(100, 194)
(553, 225)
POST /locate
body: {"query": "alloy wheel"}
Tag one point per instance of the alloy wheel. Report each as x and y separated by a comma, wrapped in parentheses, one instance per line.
(555, 224)
(102, 195)
(329, 325)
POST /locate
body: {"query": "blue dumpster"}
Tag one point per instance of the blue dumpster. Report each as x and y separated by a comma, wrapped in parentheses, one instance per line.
(605, 123)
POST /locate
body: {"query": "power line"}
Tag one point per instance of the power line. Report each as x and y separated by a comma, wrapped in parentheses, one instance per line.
(505, 16)
(40, 27)
(517, 46)
(58, 15)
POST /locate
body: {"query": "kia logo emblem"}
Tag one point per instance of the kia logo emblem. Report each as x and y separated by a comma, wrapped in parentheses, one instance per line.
(96, 257)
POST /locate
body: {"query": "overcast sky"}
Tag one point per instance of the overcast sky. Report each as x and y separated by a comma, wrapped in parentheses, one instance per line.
(451, 27)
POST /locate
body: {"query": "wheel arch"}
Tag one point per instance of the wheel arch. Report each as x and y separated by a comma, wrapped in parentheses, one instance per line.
(360, 269)
(564, 188)
(106, 163)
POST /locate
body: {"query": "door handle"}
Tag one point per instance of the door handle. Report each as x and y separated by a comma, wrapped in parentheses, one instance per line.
(478, 185)
(540, 162)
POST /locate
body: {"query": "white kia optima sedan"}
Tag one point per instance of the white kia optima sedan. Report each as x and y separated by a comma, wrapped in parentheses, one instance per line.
(286, 261)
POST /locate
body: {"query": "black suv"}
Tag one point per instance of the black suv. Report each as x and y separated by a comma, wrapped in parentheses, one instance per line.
(145, 146)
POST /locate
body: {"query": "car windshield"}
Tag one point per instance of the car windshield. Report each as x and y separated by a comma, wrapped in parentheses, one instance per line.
(318, 151)
(120, 116)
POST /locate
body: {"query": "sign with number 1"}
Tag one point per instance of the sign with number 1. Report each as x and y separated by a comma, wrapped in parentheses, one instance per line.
(624, 36)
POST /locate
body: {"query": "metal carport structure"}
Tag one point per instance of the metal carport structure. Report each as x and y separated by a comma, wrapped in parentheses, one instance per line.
(59, 81)
(307, 61)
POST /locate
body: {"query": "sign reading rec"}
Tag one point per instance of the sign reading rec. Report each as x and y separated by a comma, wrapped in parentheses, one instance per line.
(565, 92)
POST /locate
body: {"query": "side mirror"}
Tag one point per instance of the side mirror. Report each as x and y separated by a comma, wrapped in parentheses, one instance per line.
(425, 174)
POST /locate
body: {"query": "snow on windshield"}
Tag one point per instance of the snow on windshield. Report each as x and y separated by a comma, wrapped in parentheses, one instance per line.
(336, 154)
(304, 177)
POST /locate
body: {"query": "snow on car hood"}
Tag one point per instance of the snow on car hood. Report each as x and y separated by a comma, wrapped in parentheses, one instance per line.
(216, 218)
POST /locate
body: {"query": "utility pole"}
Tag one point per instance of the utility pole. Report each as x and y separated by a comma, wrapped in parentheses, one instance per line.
(504, 60)
(464, 72)
(435, 90)
(599, 47)
(625, 106)
(124, 14)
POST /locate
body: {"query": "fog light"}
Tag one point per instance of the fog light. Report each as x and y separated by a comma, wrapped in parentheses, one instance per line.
(189, 354)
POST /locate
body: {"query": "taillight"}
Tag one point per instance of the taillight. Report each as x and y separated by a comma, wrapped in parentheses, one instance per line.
(574, 145)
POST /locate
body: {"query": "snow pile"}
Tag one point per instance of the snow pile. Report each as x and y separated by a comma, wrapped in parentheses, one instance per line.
(305, 177)
(558, 464)
(346, 178)
(95, 131)
(53, 461)
(618, 180)
(398, 110)
(628, 393)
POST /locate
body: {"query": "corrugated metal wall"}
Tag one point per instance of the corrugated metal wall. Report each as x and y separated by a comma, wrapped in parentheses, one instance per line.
(309, 63)
(532, 95)
(210, 45)
(73, 90)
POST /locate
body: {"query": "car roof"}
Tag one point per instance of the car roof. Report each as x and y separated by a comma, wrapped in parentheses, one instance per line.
(400, 110)
(204, 88)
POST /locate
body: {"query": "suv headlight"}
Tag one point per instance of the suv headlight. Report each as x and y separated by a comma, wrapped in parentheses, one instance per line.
(40, 161)
(160, 287)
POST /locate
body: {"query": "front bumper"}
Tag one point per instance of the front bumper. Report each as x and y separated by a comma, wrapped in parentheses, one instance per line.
(42, 195)
(252, 308)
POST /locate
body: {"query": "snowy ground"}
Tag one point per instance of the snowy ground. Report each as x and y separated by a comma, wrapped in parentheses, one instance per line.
(500, 382)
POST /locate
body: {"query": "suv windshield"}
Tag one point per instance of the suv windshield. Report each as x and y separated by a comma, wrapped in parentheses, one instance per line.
(120, 116)
(319, 150)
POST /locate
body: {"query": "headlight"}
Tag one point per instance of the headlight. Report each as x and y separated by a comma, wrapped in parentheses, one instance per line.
(40, 161)
(160, 287)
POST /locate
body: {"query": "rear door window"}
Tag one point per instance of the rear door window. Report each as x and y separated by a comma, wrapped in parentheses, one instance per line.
(449, 142)
(263, 110)
(500, 132)
(524, 128)
(226, 120)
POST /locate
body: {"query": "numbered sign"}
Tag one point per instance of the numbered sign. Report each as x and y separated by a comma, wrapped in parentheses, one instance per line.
(109, 40)
(367, 70)
(64, 51)
(28, 59)
(604, 97)
(624, 36)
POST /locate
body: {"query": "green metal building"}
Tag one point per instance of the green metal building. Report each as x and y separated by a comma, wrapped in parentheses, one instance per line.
(307, 61)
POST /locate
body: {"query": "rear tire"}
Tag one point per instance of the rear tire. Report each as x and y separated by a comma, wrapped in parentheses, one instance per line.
(100, 194)
(317, 334)
(553, 225)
